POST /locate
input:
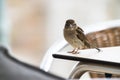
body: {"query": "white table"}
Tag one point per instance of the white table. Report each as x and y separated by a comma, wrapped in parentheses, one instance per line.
(108, 60)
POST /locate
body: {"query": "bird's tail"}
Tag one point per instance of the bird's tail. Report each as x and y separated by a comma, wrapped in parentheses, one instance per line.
(94, 46)
(98, 49)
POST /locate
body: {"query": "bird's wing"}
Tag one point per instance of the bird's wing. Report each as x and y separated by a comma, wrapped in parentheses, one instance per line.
(80, 29)
(80, 35)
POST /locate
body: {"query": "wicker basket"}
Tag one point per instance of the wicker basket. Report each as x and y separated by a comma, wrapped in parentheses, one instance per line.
(104, 38)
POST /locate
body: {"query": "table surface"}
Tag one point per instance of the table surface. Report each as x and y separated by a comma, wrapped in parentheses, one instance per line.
(109, 54)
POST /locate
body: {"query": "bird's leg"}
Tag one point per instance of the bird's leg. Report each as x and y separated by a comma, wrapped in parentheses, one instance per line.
(74, 51)
(71, 51)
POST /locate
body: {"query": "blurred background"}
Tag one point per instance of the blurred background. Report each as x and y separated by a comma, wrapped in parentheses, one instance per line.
(30, 27)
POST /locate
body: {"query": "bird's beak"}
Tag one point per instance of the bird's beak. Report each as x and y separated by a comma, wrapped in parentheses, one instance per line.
(71, 25)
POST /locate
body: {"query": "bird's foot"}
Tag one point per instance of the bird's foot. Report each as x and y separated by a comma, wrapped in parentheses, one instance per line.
(75, 51)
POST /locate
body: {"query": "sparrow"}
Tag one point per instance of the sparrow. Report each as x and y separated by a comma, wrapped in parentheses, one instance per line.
(75, 36)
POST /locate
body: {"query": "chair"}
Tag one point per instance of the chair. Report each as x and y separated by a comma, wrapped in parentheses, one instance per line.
(62, 46)
(13, 69)
(95, 63)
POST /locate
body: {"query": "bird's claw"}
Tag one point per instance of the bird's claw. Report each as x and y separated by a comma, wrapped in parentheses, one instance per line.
(74, 52)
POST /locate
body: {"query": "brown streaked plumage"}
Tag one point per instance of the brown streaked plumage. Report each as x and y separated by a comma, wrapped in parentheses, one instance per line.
(74, 35)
